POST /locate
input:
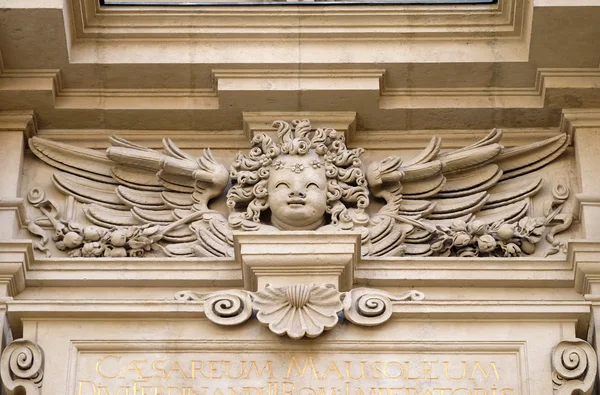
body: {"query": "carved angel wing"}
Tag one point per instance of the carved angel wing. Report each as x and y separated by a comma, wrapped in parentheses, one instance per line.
(481, 181)
(131, 185)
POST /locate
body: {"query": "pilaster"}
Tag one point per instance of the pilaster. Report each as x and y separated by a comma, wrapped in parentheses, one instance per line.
(584, 127)
(15, 128)
(585, 258)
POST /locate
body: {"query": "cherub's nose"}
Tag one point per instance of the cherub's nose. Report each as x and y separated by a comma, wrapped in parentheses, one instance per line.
(297, 193)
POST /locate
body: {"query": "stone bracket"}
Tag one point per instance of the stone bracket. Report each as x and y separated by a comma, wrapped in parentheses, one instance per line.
(286, 258)
(574, 367)
(22, 367)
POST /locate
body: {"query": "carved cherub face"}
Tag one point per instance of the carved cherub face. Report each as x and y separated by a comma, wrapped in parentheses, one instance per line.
(297, 188)
(303, 179)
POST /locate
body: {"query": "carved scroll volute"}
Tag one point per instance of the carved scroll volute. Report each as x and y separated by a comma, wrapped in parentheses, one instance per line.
(574, 368)
(22, 367)
(230, 307)
(369, 307)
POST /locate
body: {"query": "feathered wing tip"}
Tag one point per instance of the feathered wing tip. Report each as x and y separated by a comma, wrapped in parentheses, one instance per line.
(468, 180)
(430, 152)
(84, 162)
(172, 149)
(117, 141)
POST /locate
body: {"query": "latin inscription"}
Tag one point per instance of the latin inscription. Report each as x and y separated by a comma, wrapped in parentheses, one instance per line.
(296, 374)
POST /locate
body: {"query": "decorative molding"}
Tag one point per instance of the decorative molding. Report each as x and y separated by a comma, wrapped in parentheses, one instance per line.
(534, 272)
(574, 368)
(585, 255)
(299, 310)
(16, 205)
(505, 20)
(168, 310)
(16, 256)
(22, 367)
(574, 118)
(187, 139)
(284, 257)
(340, 84)
(18, 121)
(262, 122)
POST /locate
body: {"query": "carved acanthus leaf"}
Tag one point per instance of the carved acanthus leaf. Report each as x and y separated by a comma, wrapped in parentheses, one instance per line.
(574, 367)
(299, 310)
(22, 367)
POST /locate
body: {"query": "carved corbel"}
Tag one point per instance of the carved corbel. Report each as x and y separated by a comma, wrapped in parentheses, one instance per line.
(574, 368)
(299, 310)
(22, 367)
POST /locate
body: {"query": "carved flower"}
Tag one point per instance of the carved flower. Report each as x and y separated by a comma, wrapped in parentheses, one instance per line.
(329, 157)
(278, 165)
(298, 310)
(297, 167)
(316, 164)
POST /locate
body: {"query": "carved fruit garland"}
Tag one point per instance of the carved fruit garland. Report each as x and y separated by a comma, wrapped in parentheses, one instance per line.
(299, 310)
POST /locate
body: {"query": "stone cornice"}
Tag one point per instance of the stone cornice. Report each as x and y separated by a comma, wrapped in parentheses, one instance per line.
(574, 118)
(227, 273)
(366, 91)
(506, 19)
(585, 256)
(580, 269)
(18, 121)
(15, 258)
(434, 310)
(17, 205)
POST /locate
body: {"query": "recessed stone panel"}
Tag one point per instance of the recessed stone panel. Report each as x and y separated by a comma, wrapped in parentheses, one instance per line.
(395, 368)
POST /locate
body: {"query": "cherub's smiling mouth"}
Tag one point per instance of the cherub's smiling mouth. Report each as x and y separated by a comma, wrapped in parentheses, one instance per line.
(296, 203)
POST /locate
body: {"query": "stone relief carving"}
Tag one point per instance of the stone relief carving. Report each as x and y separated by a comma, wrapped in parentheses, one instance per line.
(299, 310)
(22, 367)
(469, 202)
(574, 367)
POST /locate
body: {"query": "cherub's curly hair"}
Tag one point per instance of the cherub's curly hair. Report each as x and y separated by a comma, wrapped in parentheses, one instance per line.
(346, 182)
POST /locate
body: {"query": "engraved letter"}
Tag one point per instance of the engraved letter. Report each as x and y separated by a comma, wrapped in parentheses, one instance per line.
(464, 368)
(486, 374)
(102, 360)
(427, 370)
(81, 387)
(259, 373)
(293, 362)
